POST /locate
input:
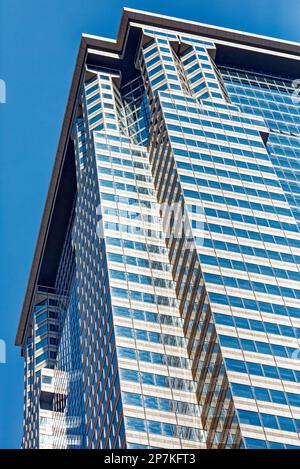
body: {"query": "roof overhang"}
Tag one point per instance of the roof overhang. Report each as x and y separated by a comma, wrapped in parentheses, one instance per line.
(102, 49)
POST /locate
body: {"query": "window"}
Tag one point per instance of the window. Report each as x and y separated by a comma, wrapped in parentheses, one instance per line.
(242, 390)
(248, 417)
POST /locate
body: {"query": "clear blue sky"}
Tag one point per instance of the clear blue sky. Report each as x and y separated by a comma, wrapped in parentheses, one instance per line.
(38, 46)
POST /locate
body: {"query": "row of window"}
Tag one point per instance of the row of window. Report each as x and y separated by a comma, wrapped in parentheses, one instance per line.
(136, 245)
(209, 123)
(267, 95)
(255, 325)
(255, 443)
(203, 111)
(275, 120)
(130, 214)
(121, 199)
(153, 357)
(165, 429)
(276, 422)
(228, 162)
(191, 56)
(284, 145)
(250, 205)
(279, 109)
(45, 315)
(157, 380)
(250, 267)
(242, 218)
(102, 86)
(150, 336)
(257, 79)
(160, 403)
(264, 101)
(286, 165)
(251, 250)
(260, 369)
(123, 174)
(120, 139)
(246, 303)
(240, 189)
(137, 261)
(264, 394)
(279, 114)
(99, 117)
(210, 135)
(126, 187)
(252, 220)
(158, 32)
(259, 347)
(124, 150)
(139, 278)
(225, 173)
(45, 342)
(45, 328)
(148, 316)
(45, 356)
(144, 297)
(244, 284)
(211, 147)
(135, 230)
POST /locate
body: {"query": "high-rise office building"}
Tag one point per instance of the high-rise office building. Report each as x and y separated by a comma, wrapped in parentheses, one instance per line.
(163, 304)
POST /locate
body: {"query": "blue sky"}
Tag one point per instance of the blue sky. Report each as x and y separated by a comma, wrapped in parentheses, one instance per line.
(38, 46)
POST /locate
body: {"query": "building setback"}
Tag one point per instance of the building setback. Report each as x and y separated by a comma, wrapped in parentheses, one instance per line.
(163, 304)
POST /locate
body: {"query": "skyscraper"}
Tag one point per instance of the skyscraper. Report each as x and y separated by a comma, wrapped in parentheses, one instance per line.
(163, 304)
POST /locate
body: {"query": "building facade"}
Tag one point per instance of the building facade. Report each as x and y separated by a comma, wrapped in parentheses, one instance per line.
(163, 304)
